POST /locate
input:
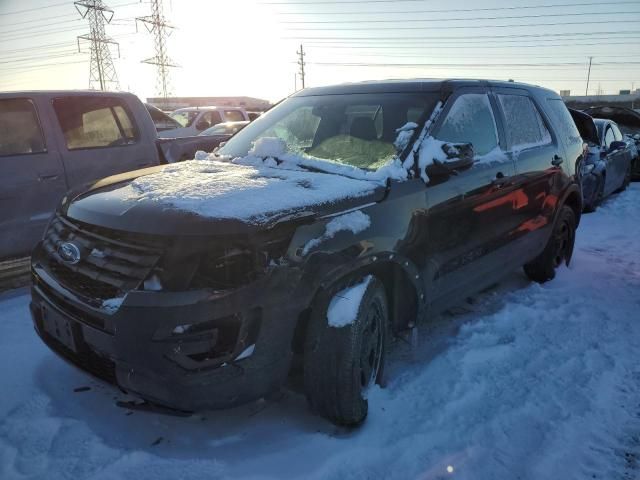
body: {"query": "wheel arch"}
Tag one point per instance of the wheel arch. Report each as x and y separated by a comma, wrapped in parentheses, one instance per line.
(400, 277)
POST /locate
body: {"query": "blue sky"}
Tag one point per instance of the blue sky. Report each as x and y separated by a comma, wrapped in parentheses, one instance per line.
(248, 47)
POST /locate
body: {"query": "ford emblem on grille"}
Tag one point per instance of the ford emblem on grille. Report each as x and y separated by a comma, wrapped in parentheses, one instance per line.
(69, 252)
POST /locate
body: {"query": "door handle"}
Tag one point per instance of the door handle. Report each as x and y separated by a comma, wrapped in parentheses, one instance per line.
(44, 178)
(556, 160)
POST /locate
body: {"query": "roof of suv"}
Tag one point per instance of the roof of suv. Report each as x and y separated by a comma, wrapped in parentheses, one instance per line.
(410, 85)
(206, 108)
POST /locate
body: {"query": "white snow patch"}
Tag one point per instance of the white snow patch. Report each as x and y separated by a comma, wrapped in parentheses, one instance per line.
(112, 304)
(404, 135)
(268, 147)
(344, 306)
(247, 352)
(180, 329)
(153, 284)
(430, 151)
(97, 253)
(254, 194)
(355, 222)
(409, 162)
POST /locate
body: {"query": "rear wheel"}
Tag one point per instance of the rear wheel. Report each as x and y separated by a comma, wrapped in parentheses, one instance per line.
(342, 363)
(558, 250)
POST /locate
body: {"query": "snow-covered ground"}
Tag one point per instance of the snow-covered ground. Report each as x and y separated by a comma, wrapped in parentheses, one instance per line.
(522, 382)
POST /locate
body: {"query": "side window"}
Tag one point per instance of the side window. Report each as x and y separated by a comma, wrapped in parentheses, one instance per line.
(95, 122)
(565, 124)
(233, 116)
(524, 125)
(616, 132)
(213, 118)
(21, 133)
(609, 137)
(471, 120)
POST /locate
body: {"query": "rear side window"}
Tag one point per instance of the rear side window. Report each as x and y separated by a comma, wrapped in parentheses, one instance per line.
(20, 131)
(524, 125)
(233, 116)
(563, 121)
(471, 120)
(95, 122)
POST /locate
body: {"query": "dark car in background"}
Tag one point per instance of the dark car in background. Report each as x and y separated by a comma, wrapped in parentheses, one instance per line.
(313, 237)
(628, 121)
(607, 161)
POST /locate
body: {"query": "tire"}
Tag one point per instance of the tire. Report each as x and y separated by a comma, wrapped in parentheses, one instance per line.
(340, 364)
(558, 250)
(597, 197)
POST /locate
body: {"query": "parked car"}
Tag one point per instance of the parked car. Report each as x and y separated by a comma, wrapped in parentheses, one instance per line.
(607, 163)
(315, 235)
(225, 129)
(161, 120)
(194, 120)
(57, 140)
(629, 122)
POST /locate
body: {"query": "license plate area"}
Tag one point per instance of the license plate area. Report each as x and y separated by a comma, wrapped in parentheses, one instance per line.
(59, 328)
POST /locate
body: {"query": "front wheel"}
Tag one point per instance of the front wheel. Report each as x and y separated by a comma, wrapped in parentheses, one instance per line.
(344, 358)
(559, 249)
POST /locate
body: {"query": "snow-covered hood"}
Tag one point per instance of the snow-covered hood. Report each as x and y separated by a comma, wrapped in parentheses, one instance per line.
(212, 197)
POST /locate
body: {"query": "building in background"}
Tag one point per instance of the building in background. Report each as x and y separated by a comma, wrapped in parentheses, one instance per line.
(173, 103)
(625, 98)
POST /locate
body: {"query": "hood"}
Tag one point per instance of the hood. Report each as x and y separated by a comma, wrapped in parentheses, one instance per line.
(586, 126)
(208, 197)
(620, 115)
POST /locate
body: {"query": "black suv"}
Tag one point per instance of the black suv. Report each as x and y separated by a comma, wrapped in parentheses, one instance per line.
(325, 228)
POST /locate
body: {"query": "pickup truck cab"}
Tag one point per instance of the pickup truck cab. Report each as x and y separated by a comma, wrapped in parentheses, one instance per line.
(195, 120)
(53, 141)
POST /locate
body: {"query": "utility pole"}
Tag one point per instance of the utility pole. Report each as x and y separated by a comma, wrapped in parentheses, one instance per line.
(588, 76)
(102, 73)
(156, 24)
(301, 63)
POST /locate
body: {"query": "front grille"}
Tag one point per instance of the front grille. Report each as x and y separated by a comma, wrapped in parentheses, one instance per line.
(111, 262)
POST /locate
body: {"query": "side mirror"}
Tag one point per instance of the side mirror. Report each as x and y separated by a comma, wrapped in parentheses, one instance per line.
(617, 145)
(459, 157)
(202, 125)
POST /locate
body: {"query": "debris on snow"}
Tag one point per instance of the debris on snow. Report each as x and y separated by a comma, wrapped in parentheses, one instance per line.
(355, 222)
(344, 306)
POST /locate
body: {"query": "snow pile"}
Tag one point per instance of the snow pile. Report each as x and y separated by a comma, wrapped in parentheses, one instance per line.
(268, 147)
(344, 306)
(404, 135)
(254, 194)
(430, 152)
(409, 162)
(355, 222)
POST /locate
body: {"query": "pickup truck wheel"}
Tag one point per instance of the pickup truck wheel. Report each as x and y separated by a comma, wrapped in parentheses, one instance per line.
(342, 363)
(558, 250)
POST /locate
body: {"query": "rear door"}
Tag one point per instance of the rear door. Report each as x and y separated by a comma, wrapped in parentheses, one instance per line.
(33, 178)
(622, 156)
(100, 137)
(470, 214)
(538, 157)
(615, 160)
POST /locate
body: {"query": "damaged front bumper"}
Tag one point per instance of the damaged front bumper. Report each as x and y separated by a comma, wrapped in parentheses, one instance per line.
(185, 350)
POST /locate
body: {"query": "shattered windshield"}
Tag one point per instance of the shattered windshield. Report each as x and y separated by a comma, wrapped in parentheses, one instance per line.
(360, 130)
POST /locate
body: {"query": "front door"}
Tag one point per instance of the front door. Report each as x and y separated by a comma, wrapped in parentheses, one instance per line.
(469, 214)
(33, 177)
(100, 138)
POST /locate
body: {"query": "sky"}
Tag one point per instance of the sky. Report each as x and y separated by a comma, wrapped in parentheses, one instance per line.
(248, 47)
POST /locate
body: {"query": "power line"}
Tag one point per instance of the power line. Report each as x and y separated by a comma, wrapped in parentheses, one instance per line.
(414, 20)
(447, 27)
(34, 9)
(456, 10)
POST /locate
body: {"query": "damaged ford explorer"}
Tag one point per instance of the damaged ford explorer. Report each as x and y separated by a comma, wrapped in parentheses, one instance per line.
(319, 233)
